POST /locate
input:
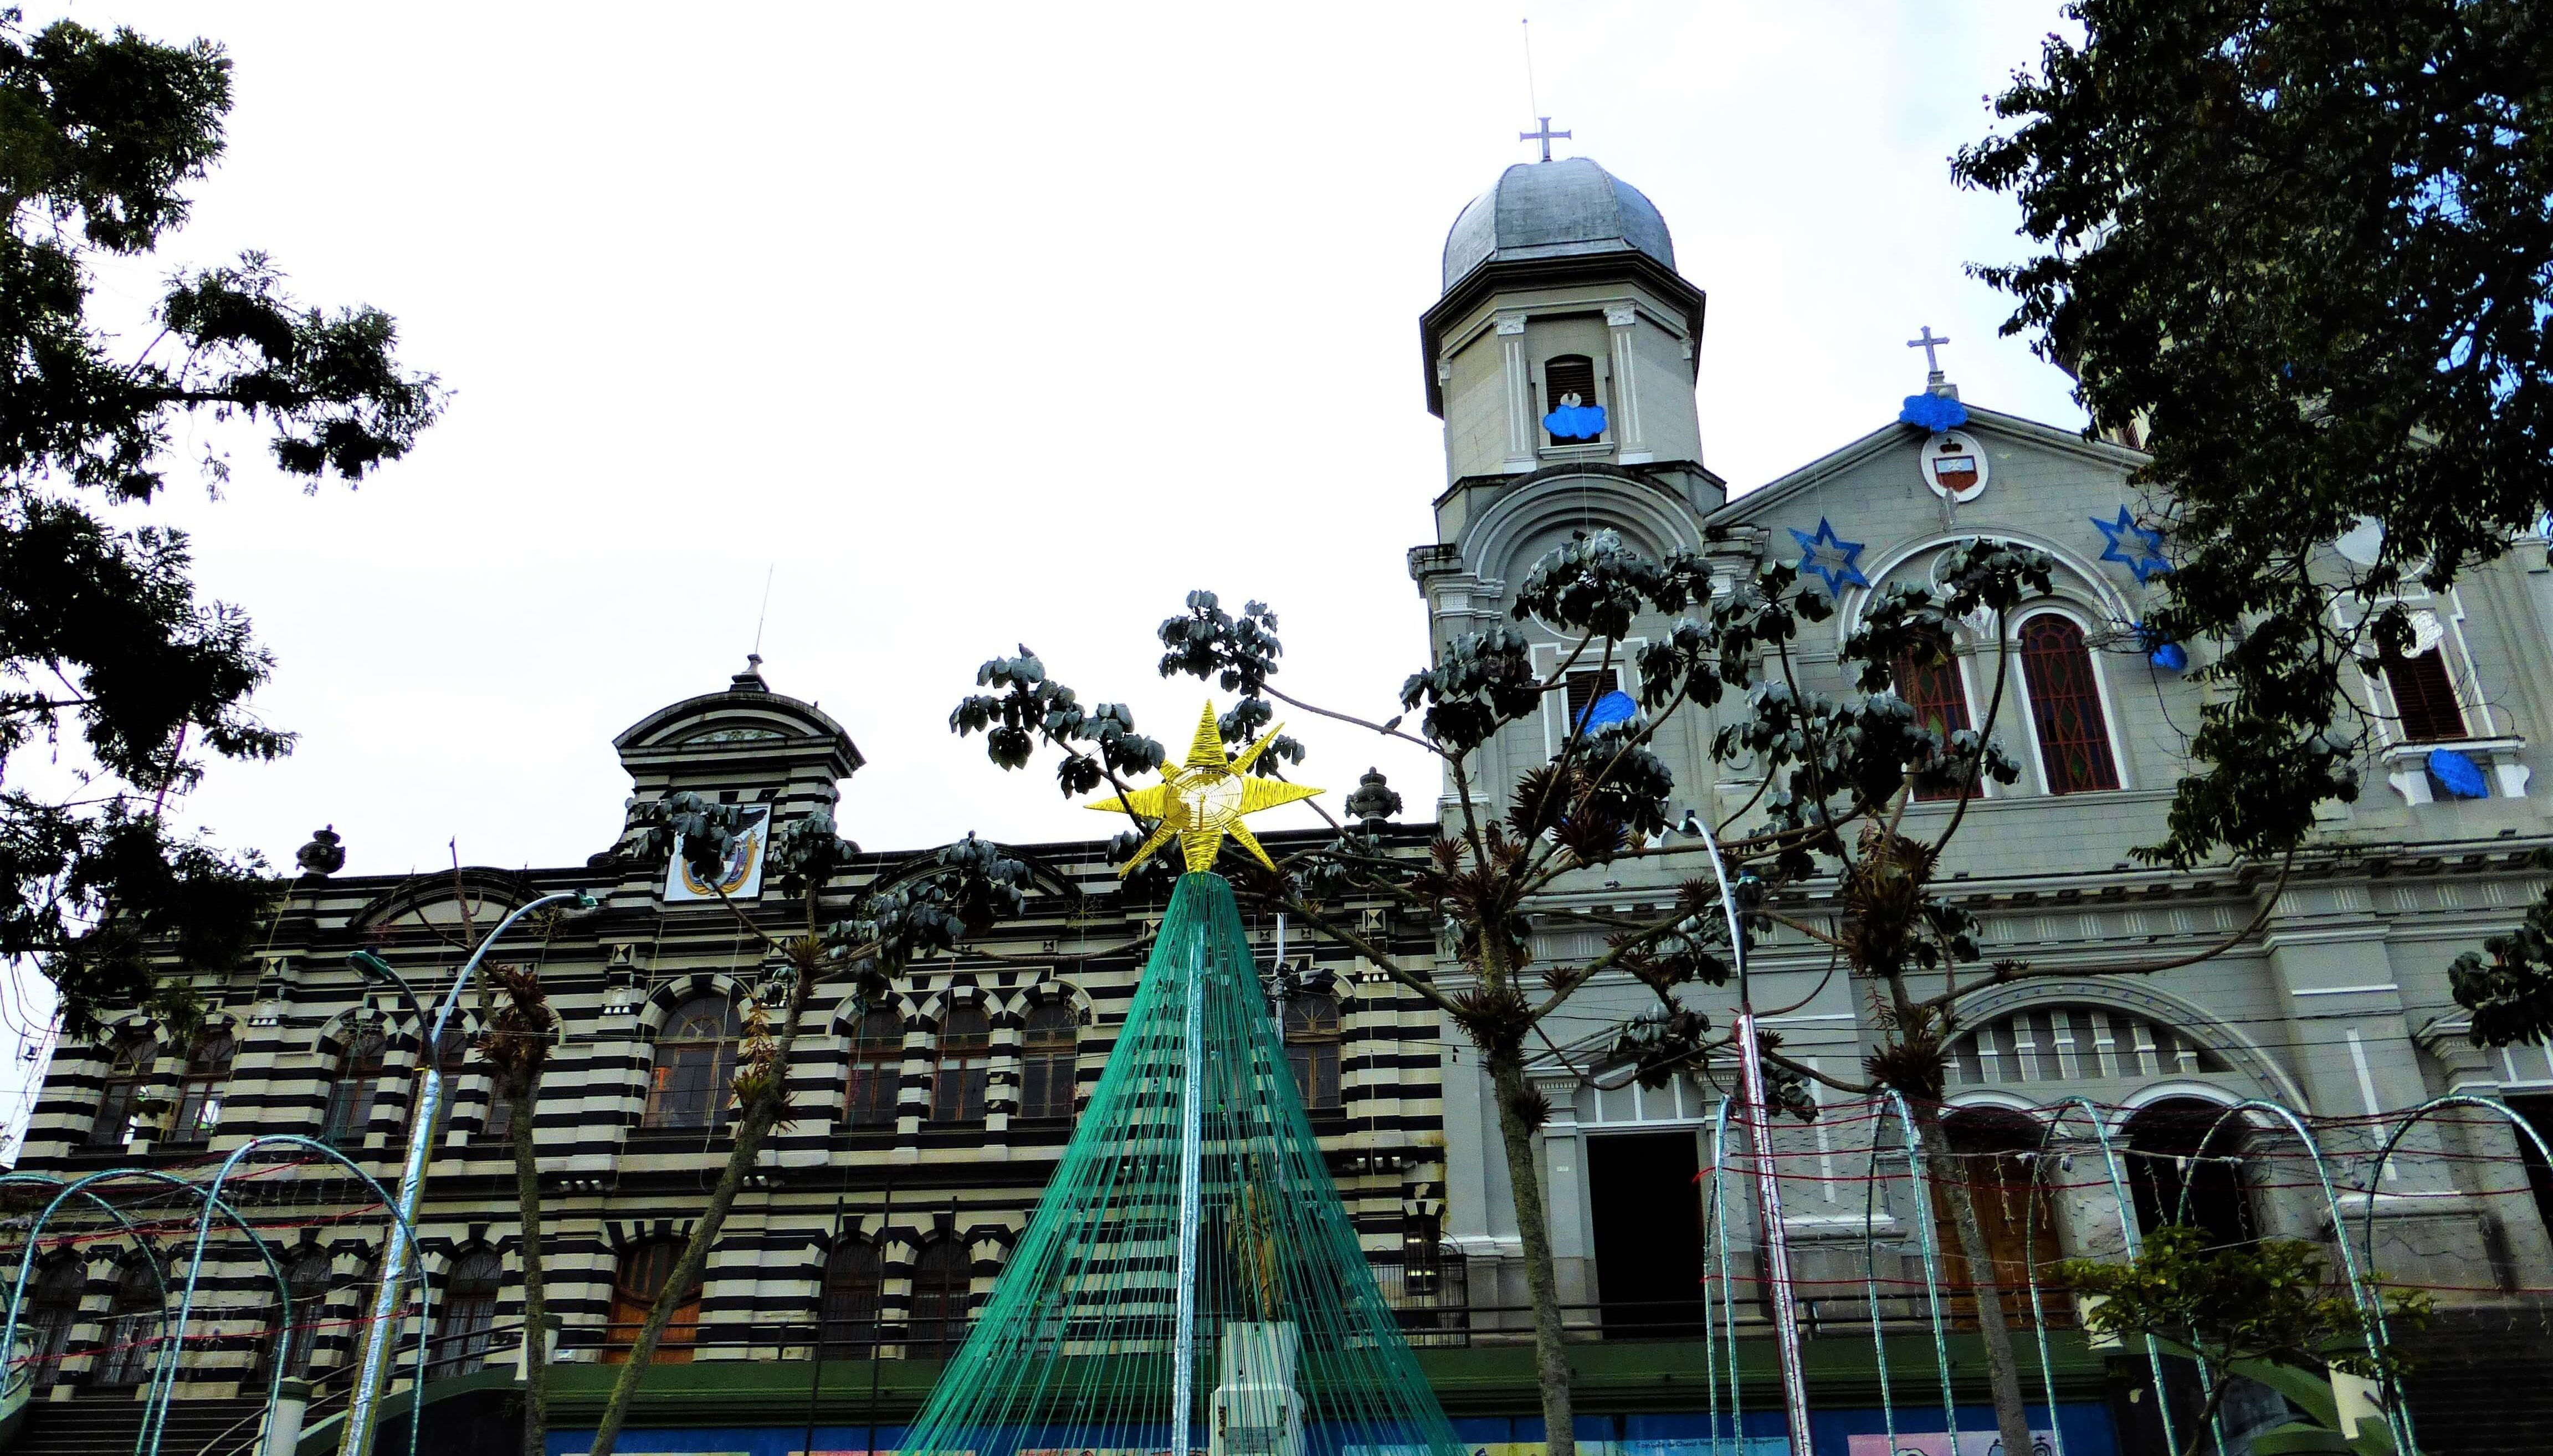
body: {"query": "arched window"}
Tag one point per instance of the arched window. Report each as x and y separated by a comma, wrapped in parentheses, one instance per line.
(1562, 376)
(940, 1276)
(128, 1071)
(308, 1275)
(2424, 698)
(463, 1325)
(2065, 707)
(53, 1307)
(1046, 1047)
(455, 1047)
(2180, 1173)
(1997, 1149)
(133, 1328)
(849, 1313)
(1940, 703)
(877, 1070)
(964, 1063)
(199, 1096)
(695, 1061)
(1312, 1046)
(356, 1084)
(642, 1277)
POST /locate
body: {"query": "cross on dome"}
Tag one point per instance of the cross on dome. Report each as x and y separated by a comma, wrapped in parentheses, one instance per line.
(1543, 134)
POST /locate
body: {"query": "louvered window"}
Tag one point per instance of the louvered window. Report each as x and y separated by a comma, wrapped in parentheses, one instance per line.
(1570, 374)
(2065, 706)
(1940, 703)
(2424, 698)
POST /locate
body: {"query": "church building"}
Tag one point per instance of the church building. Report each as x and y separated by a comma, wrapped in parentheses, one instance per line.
(1562, 357)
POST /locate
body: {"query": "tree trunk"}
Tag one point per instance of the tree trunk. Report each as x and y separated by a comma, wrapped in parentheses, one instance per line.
(1533, 1229)
(750, 1132)
(2003, 1372)
(536, 1354)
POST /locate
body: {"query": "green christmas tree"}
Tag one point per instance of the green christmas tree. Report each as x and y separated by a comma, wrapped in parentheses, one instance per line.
(1190, 1280)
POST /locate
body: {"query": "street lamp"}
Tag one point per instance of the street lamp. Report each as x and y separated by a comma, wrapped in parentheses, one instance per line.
(363, 1406)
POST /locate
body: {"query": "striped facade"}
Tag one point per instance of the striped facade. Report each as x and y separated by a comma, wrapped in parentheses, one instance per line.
(936, 1197)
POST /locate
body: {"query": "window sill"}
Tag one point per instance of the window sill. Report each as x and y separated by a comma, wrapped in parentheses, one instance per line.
(2406, 767)
(1582, 450)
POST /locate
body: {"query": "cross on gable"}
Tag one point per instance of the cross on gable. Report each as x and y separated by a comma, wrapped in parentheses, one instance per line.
(1544, 133)
(1928, 343)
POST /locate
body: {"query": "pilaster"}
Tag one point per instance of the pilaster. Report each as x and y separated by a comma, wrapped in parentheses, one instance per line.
(1519, 377)
(1631, 446)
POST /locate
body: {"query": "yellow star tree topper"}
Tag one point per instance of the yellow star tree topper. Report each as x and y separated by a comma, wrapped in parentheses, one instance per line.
(1203, 798)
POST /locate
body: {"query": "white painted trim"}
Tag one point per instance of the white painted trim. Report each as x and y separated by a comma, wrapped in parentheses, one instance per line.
(2342, 991)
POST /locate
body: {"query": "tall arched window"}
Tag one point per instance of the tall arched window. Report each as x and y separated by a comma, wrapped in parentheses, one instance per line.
(850, 1311)
(695, 1061)
(356, 1085)
(308, 1275)
(2065, 706)
(966, 1059)
(1940, 703)
(463, 1325)
(2181, 1173)
(128, 1071)
(940, 1276)
(133, 1329)
(877, 1070)
(642, 1275)
(1312, 1046)
(1046, 1048)
(53, 1307)
(199, 1096)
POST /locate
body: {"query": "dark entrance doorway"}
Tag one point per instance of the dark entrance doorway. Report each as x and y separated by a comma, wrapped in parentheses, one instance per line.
(1648, 1231)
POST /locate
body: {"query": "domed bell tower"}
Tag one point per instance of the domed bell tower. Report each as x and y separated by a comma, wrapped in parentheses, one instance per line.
(1562, 359)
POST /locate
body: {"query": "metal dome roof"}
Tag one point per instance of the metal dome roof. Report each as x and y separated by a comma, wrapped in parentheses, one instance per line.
(1555, 209)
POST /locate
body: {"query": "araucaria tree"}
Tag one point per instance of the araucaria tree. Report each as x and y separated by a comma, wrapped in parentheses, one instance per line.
(1821, 851)
(101, 634)
(963, 891)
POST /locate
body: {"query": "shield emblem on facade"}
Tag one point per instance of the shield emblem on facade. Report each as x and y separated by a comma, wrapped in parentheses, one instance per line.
(1953, 466)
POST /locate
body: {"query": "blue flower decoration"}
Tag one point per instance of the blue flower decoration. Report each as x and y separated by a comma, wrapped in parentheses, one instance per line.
(1615, 707)
(1576, 421)
(1835, 562)
(2133, 546)
(2458, 775)
(1935, 413)
(2170, 658)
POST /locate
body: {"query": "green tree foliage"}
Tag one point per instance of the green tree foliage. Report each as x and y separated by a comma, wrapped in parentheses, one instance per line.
(2303, 253)
(102, 636)
(2232, 1307)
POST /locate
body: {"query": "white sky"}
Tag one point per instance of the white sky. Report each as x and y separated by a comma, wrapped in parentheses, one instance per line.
(975, 325)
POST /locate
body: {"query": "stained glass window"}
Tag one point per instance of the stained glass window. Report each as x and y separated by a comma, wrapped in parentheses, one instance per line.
(2065, 707)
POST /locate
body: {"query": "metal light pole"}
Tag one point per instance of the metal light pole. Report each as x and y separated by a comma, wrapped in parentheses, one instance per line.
(363, 1406)
(1768, 1187)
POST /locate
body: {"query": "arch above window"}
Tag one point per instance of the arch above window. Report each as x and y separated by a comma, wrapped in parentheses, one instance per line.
(199, 1094)
(2065, 1043)
(849, 1311)
(128, 1071)
(695, 1062)
(2066, 712)
(877, 1070)
(465, 1324)
(356, 1085)
(644, 1270)
(942, 1275)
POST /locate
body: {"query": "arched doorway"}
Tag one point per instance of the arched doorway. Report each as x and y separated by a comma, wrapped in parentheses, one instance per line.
(942, 1278)
(2178, 1172)
(643, 1272)
(1997, 1148)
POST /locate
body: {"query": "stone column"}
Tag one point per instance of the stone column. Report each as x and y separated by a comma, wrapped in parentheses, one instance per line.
(283, 1417)
(1630, 446)
(1519, 389)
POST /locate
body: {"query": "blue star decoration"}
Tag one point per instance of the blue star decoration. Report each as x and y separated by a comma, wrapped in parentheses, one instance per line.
(1834, 561)
(1576, 421)
(2133, 546)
